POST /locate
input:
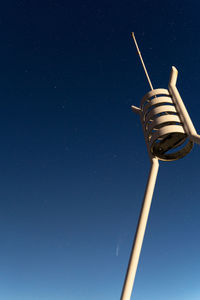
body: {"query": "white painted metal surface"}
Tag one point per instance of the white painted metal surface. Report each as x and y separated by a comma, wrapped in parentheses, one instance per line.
(163, 128)
(137, 245)
(187, 122)
(169, 134)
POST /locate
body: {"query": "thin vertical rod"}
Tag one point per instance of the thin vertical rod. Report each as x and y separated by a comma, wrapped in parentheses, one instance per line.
(140, 55)
(139, 236)
(188, 125)
(185, 118)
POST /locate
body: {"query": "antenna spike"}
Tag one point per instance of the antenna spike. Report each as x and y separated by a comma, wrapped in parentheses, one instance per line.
(145, 70)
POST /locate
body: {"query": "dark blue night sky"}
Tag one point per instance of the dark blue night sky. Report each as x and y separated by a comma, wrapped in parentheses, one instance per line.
(73, 161)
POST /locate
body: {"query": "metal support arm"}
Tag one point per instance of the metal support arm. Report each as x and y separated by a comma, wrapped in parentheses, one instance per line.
(139, 236)
(189, 127)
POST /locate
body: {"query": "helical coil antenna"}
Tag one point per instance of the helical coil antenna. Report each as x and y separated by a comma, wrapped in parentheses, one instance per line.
(164, 131)
(169, 134)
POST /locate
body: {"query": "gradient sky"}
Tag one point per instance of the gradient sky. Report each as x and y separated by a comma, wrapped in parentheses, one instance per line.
(73, 161)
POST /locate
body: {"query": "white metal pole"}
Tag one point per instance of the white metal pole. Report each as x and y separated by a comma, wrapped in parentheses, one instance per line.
(139, 236)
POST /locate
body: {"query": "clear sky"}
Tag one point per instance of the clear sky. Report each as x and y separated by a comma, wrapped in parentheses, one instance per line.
(73, 161)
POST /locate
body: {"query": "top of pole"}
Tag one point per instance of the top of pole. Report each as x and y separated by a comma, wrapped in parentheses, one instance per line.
(141, 59)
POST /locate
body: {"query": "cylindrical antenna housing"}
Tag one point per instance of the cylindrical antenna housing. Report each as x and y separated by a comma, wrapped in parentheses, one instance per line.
(164, 132)
(165, 126)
